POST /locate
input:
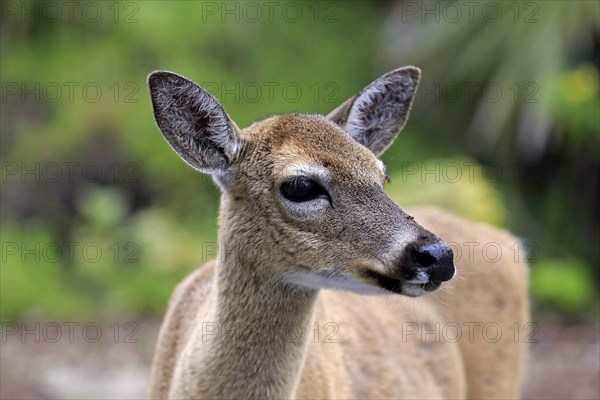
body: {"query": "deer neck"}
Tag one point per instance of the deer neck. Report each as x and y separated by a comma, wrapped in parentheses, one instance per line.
(263, 325)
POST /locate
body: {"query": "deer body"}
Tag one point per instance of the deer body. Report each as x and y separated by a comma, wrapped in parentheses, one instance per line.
(303, 211)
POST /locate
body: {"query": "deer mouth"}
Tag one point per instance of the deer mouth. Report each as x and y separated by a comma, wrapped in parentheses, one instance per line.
(398, 286)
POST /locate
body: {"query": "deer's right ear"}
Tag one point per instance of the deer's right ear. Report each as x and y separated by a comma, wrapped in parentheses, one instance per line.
(194, 122)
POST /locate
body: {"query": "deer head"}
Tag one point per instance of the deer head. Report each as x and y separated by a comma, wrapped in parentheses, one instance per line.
(303, 195)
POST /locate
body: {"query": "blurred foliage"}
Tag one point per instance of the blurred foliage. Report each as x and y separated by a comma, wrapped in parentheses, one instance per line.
(574, 102)
(521, 49)
(444, 184)
(566, 284)
(153, 217)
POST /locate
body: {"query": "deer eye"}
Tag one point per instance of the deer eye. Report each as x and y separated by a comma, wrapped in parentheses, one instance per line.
(299, 189)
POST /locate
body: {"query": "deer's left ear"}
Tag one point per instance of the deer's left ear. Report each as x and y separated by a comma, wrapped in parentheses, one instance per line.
(375, 116)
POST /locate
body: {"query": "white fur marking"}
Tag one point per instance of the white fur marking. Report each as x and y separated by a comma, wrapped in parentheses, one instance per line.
(413, 290)
(338, 281)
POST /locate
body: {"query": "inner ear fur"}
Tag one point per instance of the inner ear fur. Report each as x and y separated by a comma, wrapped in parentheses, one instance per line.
(193, 122)
(376, 115)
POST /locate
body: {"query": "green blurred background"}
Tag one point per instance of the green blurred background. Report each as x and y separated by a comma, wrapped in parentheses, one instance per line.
(504, 130)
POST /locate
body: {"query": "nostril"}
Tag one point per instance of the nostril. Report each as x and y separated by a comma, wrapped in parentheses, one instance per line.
(423, 257)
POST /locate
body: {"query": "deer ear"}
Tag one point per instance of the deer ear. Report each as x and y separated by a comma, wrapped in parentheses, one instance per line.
(375, 116)
(194, 123)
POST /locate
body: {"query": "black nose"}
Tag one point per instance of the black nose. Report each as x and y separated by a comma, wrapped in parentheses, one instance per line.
(437, 259)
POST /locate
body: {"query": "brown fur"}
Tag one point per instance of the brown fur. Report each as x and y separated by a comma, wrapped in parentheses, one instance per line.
(278, 339)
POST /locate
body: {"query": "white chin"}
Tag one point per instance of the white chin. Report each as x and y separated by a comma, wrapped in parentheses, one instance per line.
(335, 281)
(413, 290)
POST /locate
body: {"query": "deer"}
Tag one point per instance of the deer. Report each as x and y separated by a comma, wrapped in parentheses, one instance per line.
(322, 285)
